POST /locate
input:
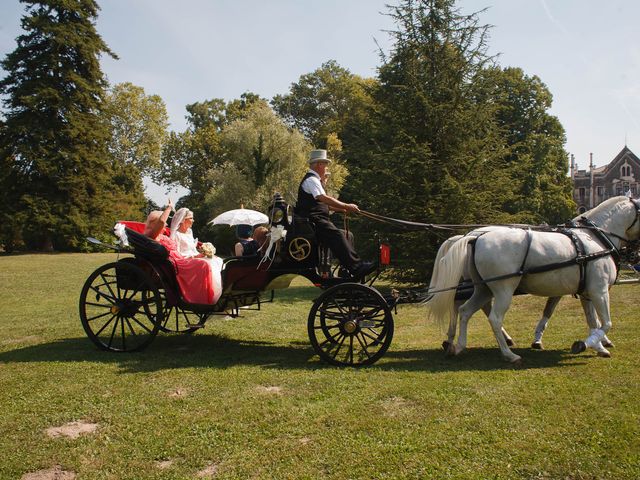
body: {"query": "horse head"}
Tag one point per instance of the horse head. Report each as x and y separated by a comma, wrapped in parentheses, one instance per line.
(618, 218)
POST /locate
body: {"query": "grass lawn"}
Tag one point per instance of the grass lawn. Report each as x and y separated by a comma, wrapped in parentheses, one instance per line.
(247, 397)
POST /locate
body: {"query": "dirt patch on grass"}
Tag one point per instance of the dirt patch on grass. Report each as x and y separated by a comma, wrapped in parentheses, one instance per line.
(164, 464)
(178, 393)
(209, 471)
(53, 473)
(396, 406)
(269, 389)
(72, 429)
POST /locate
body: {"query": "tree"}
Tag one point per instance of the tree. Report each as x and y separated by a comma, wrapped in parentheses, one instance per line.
(427, 151)
(56, 175)
(534, 142)
(189, 156)
(139, 127)
(322, 102)
(261, 156)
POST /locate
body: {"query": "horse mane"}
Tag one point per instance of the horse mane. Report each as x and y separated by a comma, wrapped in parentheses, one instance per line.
(602, 213)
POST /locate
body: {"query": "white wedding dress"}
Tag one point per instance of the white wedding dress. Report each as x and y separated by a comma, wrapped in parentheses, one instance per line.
(187, 248)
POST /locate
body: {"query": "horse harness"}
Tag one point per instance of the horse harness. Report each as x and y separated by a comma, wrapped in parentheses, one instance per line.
(581, 259)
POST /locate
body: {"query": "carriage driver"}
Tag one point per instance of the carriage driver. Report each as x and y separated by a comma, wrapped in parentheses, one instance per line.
(314, 203)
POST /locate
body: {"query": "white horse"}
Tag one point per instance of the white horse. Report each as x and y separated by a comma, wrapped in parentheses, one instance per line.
(541, 263)
(549, 308)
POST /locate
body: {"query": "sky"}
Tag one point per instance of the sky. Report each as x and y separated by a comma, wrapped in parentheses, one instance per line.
(586, 51)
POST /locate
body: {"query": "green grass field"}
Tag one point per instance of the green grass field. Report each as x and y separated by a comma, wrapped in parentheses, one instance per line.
(247, 397)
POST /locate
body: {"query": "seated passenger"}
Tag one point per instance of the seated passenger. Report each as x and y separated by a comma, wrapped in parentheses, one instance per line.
(260, 235)
(193, 274)
(246, 245)
(182, 234)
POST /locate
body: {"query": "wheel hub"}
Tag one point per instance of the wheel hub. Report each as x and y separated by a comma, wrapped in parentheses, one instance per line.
(125, 308)
(350, 326)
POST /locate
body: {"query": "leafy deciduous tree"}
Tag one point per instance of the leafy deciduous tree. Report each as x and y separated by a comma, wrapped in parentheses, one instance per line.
(139, 127)
(323, 101)
(535, 144)
(262, 156)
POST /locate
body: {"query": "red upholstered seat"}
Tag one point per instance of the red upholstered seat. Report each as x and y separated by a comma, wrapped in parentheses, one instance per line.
(139, 227)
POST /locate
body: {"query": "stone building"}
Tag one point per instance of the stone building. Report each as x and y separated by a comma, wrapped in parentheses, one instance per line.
(593, 186)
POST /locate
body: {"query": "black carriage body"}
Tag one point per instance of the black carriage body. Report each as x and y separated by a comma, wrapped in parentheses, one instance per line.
(137, 296)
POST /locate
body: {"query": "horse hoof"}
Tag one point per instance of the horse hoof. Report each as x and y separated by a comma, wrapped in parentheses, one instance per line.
(578, 347)
(537, 346)
(517, 362)
(608, 344)
(604, 354)
(445, 346)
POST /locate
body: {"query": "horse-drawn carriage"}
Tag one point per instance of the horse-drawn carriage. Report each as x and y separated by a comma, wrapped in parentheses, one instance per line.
(124, 304)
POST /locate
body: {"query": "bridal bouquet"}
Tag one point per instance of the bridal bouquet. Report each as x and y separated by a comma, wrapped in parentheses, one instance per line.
(207, 249)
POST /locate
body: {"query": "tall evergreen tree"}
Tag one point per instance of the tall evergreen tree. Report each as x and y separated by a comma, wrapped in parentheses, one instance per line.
(56, 174)
(429, 152)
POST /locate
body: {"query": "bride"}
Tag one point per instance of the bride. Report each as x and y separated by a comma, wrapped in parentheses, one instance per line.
(182, 235)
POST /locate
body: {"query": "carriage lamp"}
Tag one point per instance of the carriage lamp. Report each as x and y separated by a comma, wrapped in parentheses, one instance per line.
(385, 254)
(279, 212)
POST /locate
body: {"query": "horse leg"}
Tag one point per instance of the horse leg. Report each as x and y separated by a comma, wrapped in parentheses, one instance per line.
(503, 295)
(597, 308)
(480, 298)
(594, 326)
(595, 323)
(453, 323)
(486, 308)
(552, 303)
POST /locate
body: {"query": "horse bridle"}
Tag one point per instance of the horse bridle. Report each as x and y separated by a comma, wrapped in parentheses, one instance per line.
(630, 251)
(636, 203)
(590, 224)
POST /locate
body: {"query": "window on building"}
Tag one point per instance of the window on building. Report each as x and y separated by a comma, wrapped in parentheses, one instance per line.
(581, 192)
(600, 191)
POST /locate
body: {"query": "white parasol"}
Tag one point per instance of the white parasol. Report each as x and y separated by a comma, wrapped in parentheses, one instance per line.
(240, 216)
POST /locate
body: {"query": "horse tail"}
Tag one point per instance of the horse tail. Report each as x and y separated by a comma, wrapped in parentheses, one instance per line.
(446, 276)
(442, 251)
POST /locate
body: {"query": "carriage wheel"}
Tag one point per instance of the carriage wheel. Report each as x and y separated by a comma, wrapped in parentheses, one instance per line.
(350, 325)
(120, 307)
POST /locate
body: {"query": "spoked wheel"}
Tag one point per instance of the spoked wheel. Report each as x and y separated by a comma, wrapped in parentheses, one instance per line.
(120, 307)
(350, 325)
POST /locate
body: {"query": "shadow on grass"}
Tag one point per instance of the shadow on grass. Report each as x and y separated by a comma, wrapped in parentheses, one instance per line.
(214, 351)
(480, 359)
